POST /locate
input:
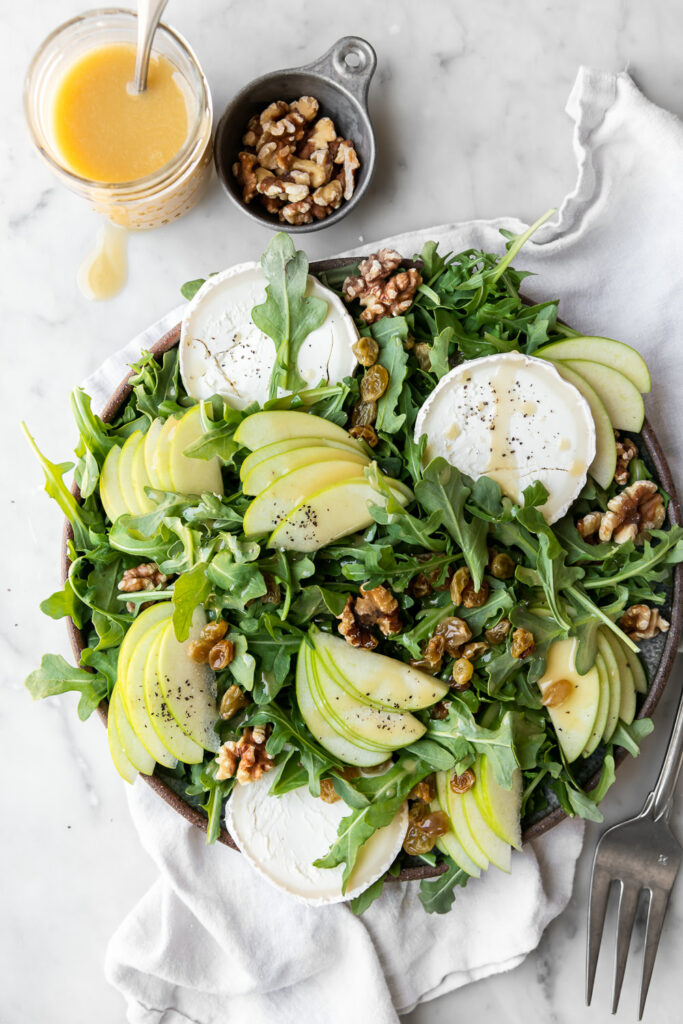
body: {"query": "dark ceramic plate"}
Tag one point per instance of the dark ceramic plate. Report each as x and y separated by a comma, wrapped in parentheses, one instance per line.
(658, 653)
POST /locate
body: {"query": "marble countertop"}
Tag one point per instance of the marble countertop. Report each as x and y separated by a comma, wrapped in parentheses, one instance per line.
(468, 106)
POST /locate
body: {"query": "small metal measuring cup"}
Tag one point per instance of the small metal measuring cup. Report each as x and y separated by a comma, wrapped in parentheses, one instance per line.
(339, 80)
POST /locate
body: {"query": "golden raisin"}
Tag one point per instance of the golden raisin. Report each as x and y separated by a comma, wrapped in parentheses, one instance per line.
(408, 342)
(272, 594)
(366, 351)
(522, 643)
(454, 632)
(423, 354)
(367, 434)
(214, 631)
(364, 414)
(497, 634)
(439, 711)
(199, 650)
(374, 383)
(424, 790)
(232, 701)
(461, 783)
(435, 824)
(461, 577)
(462, 673)
(502, 567)
(432, 656)
(221, 654)
(417, 842)
(472, 598)
(327, 791)
(556, 692)
(474, 650)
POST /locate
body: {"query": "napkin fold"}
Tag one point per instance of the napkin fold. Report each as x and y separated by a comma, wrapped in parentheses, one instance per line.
(211, 941)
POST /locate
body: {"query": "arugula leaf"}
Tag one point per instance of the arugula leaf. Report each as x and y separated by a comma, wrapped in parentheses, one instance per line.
(607, 778)
(459, 731)
(64, 603)
(361, 903)
(287, 316)
(444, 489)
(437, 894)
(239, 582)
(56, 676)
(631, 736)
(190, 590)
(390, 333)
(243, 664)
(289, 729)
(190, 288)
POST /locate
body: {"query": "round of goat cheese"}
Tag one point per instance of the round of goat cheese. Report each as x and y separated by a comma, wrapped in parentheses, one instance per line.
(512, 418)
(281, 836)
(223, 352)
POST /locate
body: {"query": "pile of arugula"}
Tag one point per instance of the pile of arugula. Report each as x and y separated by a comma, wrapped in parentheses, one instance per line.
(469, 305)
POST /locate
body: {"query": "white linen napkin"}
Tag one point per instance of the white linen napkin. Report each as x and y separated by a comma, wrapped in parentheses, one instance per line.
(212, 941)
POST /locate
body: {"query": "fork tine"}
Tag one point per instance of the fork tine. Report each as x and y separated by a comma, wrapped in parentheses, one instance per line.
(597, 907)
(628, 903)
(659, 901)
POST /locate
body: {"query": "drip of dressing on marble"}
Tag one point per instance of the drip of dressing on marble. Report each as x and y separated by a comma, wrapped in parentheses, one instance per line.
(103, 272)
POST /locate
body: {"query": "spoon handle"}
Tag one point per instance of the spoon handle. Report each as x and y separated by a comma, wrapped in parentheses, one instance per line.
(149, 15)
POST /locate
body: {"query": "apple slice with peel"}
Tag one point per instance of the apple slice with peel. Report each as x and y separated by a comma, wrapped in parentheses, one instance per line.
(110, 493)
(335, 721)
(165, 725)
(123, 765)
(448, 843)
(162, 463)
(188, 475)
(491, 845)
(341, 748)
(627, 704)
(260, 428)
(132, 748)
(612, 353)
(152, 452)
(456, 813)
(604, 464)
(188, 688)
(273, 505)
(332, 513)
(575, 716)
(614, 685)
(500, 807)
(636, 666)
(128, 453)
(374, 678)
(270, 470)
(129, 678)
(140, 479)
(292, 444)
(603, 707)
(622, 399)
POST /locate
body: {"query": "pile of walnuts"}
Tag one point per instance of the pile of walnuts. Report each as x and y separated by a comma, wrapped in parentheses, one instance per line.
(295, 163)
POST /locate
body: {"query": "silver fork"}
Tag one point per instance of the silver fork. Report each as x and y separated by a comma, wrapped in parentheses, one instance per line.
(640, 854)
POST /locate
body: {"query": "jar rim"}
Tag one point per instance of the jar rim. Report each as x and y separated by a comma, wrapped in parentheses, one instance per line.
(166, 170)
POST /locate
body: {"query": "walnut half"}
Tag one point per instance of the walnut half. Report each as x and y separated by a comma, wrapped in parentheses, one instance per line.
(640, 622)
(632, 513)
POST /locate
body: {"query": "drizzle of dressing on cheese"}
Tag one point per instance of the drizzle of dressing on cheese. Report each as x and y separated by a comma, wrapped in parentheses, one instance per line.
(502, 464)
(103, 272)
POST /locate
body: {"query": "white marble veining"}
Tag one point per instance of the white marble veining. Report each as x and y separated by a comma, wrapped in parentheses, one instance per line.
(468, 106)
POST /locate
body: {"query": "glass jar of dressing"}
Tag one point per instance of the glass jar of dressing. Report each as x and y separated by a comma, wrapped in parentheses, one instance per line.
(139, 160)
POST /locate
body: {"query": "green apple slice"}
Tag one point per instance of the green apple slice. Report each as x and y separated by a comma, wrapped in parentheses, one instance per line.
(500, 807)
(493, 848)
(614, 685)
(333, 513)
(123, 765)
(627, 704)
(125, 471)
(622, 399)
(261, 428)
(341, 748)
(162, 464)
(189, 689)
(273, 505)
(574, 718)
(132, 748)
(603, 707)
(604, 464)
(165, 725)
(152, 452)
(292, 444)
(140, 479)
(376, 679)
(637, 669)
(110, 492)
(389, 729)
(270, 470)
(129, 679)
(456, 813)
(449, 843)
(612, 353)
(188, 475)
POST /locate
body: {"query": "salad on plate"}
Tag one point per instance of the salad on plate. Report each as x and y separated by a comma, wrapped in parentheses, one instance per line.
(361, 566)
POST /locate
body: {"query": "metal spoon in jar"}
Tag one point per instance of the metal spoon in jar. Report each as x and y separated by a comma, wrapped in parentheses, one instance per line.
(149, 15)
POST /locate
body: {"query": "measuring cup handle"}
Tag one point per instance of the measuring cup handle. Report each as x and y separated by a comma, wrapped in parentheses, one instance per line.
(351, 63)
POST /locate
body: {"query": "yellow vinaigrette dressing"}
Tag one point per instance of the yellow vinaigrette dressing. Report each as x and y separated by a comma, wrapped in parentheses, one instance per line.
(107, 133)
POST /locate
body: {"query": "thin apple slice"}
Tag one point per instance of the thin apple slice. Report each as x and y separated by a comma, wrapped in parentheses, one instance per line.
(188, 475)
(273, 505)
(132, 748)
(333, 513)
(292, 444)
(152, 452)
(491, 845)
(110, 493)
(499, 806)
(627, 704)
(574, 718)
(261, 428)
(188, 688)
(376, 679)
(637, 669)
(123, 765)
(604, 464)
(622, 399)
(448, 843)
(341, 748)
(603, 707)
(612, 353)
(612, 666)
(125, 471)
(270, 470)
(140, 479)
(162, 463)
(167, 729)
(456, 813)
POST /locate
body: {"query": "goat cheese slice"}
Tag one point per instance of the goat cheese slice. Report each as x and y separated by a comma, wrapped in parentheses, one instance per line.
(281, 836)
(513, 418)
(223, 352)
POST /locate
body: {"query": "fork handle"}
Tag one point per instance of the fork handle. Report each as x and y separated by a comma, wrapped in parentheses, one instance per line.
(661, 798)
